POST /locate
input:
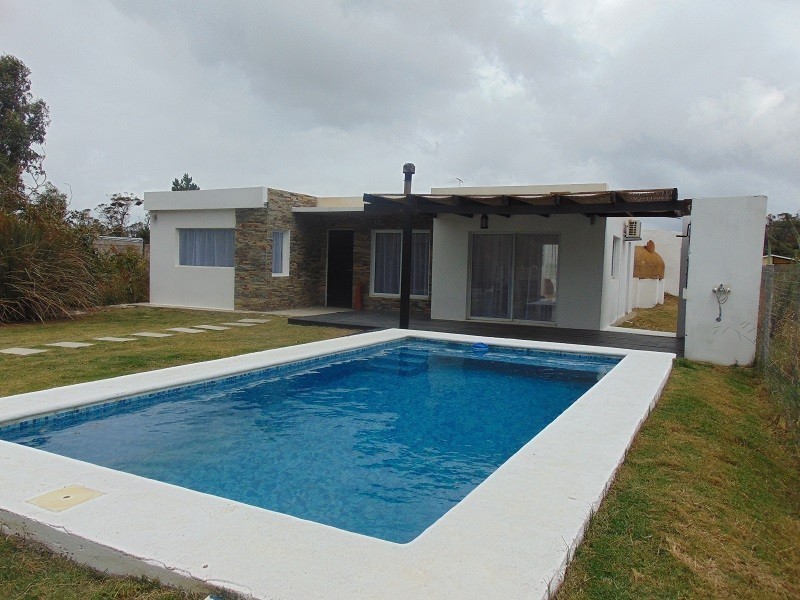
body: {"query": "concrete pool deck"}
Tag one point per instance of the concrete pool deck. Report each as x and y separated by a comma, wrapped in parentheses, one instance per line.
(511, 537)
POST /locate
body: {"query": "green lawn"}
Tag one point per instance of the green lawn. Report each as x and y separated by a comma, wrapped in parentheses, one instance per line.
(707, 504)
(63, 366)
(662, 317)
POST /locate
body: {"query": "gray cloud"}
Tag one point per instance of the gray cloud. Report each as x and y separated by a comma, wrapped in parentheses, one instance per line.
(333, 97)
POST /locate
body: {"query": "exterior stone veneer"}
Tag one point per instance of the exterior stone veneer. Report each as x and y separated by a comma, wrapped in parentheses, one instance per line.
(255, 288)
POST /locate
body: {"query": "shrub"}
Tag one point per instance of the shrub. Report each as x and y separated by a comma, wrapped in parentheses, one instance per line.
(122, 277)
(44, 269)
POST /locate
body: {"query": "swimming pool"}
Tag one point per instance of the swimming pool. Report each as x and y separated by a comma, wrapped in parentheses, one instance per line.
(510, 537)
(380, 441)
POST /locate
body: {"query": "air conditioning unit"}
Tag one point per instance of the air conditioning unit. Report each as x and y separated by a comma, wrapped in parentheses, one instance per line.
(633, 230)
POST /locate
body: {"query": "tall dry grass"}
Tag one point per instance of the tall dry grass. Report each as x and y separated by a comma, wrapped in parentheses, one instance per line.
(44, 271)
(780, 342)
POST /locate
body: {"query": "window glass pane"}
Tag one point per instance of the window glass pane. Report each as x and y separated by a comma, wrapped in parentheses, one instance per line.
(514, 276)
(386, 275)
(277, 252)
(206, 247)
(490, 287)
(420, 263)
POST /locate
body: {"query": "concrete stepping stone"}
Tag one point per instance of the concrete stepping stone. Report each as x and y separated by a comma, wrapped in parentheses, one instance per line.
(152, 334)
(256, 321)
(185, 330)
(212, 327)
(69, 344)
(237, 324)
(21, 351)
(115, 339)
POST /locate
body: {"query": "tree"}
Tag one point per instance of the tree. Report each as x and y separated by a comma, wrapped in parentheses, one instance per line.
(114, 215)
(183, 184)
(782, 235)
(23, 124)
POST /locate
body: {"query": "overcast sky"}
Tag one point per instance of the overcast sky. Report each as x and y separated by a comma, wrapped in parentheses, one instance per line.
(332, 97)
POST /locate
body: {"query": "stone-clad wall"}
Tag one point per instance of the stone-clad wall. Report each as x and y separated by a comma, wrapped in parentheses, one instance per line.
(256, 289)
(362, 225)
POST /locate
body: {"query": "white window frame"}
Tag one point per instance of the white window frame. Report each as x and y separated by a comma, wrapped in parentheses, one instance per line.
(286, 245)
(181, 265)
(372, 291)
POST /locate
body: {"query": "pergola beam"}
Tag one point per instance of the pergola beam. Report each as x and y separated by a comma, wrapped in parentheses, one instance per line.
(632, 203)
(668, 208)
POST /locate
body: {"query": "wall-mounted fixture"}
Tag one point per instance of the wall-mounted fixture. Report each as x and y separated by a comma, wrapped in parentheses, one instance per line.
(633, 230)
(484, 221)
(721, 293)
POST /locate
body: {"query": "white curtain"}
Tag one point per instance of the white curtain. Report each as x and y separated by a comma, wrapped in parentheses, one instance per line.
(388, 257)
(513, 276)
(527, 275)
(277, 252)
(386, 274)
(206, 247)
(420, 261)
(491, 275)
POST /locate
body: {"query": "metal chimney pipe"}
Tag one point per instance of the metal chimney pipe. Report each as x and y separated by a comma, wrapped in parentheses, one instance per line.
(408, 171)
(405, 263)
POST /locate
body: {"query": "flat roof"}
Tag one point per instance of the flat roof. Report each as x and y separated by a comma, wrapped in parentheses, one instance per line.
(216, 199)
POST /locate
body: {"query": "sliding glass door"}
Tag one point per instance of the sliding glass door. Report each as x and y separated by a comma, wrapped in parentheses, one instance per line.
(513, 276)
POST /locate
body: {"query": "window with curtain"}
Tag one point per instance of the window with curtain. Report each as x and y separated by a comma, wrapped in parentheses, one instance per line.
(280, 253)
(205, 247)
(386, 258)
(513, 276)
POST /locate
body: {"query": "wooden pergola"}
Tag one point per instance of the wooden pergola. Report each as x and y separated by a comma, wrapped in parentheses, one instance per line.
(614, 203)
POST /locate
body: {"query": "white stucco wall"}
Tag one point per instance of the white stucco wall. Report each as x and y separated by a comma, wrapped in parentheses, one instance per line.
(580, 269)
(725, 247)
(646, 293)
(615, 290)
(176, 285)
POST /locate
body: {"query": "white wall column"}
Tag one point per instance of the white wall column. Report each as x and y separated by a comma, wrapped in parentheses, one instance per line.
(727, 236)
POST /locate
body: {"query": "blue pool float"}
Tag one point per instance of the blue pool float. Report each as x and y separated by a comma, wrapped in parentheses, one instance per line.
(480, 347)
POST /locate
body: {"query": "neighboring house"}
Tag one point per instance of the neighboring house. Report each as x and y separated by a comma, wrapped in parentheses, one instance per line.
(110, 243)
(775, 259)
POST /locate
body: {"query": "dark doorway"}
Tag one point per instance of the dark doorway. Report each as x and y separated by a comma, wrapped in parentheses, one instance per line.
(340, 268)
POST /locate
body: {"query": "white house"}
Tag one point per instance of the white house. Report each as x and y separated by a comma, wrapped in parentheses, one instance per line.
(534, 255)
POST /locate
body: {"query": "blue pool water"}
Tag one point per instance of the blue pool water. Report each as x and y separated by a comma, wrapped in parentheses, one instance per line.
(380, 441)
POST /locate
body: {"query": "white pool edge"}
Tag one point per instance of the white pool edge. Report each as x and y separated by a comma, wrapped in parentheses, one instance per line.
(510, 538)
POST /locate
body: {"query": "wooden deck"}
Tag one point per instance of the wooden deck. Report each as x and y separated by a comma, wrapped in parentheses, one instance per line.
(368, 320)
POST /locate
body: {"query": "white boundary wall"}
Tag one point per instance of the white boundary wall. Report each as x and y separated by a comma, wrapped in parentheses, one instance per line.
(725, 247)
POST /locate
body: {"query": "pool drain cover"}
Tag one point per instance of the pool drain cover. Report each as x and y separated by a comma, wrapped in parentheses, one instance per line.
(65, 498)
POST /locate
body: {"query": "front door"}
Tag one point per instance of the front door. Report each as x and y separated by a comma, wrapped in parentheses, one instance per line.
(340, 268)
